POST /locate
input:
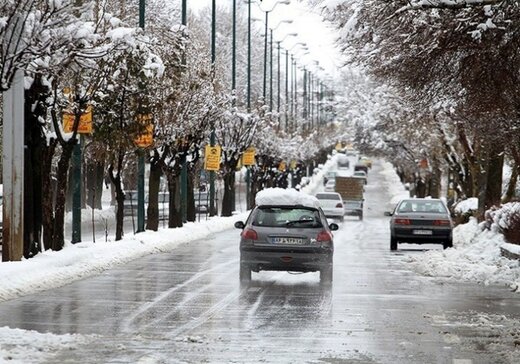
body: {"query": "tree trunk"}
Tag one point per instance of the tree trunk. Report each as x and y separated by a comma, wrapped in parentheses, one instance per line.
(229, 192)
(174, 216)
(511, 188)
(494, 176)
(94, 184)
(154, 184)
(192, 214)
(120, 195)
(49, 196)
(58, 239)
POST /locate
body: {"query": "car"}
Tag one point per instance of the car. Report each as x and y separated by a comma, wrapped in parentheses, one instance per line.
(361, 167)
(332, 205)
(421, 221)
(286, 231)
(328, 176)
(362, 175)
(330, 186)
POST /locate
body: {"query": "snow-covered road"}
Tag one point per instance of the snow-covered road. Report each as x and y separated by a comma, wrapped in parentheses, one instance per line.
(185, 304)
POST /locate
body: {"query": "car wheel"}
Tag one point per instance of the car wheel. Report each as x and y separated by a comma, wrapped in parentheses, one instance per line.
(342, 218)
(393, 243)
(326, 275)
(245, 273)
(447, 244)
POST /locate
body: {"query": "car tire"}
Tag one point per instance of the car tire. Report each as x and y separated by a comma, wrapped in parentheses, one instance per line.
(326, 275)
(245, 273)
(342, 218)
(393, 243)
(447, 244)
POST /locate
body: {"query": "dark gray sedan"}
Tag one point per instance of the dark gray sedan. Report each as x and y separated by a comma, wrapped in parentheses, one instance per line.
(421, 221)
(286, 238)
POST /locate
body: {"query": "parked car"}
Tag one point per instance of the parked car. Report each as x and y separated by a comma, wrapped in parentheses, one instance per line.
(362, 175)
(421, 221)
(332, 205)
(328, 176)
(330, 186)
(286, 231)
(361, 167)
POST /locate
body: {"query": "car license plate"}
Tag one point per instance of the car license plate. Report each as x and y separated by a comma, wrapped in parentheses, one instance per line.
(422, 232)
(288, 241)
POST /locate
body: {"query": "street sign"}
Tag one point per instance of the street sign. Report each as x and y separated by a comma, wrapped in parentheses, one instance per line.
(212, 158)
(145, 138)
(248, 158)
(85, 121)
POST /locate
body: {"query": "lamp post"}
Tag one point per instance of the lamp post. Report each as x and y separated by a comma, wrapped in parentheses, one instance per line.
(140, 157)
(286, 75)
(287, 101)
(212, 211)
(184, 168)
(285, 2)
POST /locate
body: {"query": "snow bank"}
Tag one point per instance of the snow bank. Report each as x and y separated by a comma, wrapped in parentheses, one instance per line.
(51, 269)
(475, 257)
(280, 197)
(28, 346)
(393, 184)
(466, 206)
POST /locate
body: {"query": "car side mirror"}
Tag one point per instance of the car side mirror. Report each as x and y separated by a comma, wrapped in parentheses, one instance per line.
(333, 227)
(240, 225)
(388, 213)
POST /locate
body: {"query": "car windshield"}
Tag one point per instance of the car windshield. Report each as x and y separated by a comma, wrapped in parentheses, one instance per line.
(422, 206)
(287, 216)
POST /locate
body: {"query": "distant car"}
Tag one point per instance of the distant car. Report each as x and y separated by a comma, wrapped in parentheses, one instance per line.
(328, 176)
(421, 221)
(286, 231)
(330, 186)
(361, 174)
(331, 204)
(361, 167)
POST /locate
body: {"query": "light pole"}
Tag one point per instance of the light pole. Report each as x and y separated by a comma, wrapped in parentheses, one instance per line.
(212, 211)
(184, 168)
(286, 74)
(140, 157)
(285, 2)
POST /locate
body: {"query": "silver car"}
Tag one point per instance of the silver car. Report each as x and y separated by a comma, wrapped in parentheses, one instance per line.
(421, 221)
(286, 238)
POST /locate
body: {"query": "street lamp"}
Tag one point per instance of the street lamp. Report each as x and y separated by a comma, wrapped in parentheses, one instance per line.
(286, 77)
(285, 2)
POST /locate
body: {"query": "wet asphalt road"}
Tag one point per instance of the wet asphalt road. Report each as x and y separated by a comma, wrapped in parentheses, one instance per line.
(187, 306)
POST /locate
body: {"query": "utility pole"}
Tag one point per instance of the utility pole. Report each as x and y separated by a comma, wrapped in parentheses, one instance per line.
(184, 168)
(140, 153)
(212, 210)
(13, 157)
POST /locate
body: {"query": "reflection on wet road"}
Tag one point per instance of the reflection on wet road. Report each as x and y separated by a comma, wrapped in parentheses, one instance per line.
(187, 306)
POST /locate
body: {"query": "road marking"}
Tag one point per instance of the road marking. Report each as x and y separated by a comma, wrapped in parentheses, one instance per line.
(462, 361)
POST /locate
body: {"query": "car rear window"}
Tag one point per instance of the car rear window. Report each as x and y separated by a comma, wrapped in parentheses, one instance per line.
(422, 206)
(286, 217)
(327, 196)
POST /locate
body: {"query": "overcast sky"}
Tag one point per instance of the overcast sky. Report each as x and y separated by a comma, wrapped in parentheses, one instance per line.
(307, 22)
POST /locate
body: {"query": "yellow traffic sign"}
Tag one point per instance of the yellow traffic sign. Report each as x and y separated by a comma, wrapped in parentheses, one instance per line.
(145, 137)
(212, 158)
(85, 121)
(248, 158)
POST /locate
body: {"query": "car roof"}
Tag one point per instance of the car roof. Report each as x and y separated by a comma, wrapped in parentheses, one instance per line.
(327, 193)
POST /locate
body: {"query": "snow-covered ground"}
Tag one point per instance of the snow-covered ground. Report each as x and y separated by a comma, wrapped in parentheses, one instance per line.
(475, 257)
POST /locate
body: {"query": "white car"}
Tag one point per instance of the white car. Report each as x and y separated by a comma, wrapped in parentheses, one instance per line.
(331, 204)
(330, 186)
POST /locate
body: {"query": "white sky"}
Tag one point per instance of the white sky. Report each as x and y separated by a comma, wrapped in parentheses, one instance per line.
(307, 22)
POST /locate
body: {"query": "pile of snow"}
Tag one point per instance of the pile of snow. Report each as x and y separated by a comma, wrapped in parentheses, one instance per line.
(285, 197)
(475, 257)
(466, 206)
(501, 218)
(317, 179)
(393, 184)
(28, 346)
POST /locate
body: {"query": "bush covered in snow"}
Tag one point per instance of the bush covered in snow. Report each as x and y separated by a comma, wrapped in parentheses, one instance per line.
(464, 210)
(505, 220)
